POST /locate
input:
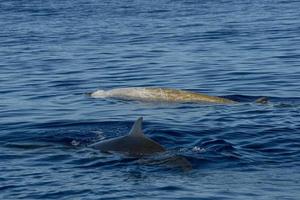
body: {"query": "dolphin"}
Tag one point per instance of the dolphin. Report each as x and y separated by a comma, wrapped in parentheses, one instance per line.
(159, 95)
(137, 144)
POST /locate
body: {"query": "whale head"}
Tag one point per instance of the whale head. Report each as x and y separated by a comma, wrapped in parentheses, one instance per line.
(98, 94)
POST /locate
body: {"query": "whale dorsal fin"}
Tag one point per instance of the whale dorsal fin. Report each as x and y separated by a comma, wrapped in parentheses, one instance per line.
(136, 129)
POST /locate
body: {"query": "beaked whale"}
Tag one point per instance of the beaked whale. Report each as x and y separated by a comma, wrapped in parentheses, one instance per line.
(164, 95)
(159, 95)
(137, 144)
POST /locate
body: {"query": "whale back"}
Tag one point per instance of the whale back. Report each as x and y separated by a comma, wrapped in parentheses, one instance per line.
(175, 95)
(159, 94)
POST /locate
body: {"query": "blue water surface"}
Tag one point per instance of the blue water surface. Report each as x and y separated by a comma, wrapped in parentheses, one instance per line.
(53, 52)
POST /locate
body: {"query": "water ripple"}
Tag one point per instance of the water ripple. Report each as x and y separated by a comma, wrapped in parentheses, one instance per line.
(53, 53)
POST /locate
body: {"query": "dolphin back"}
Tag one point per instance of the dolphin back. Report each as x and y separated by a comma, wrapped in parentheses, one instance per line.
(135, 144)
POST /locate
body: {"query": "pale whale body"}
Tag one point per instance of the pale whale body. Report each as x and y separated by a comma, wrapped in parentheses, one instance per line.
(159, 94)
(137, 144)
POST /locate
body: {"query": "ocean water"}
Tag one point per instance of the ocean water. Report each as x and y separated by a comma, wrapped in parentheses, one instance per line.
(53, 52)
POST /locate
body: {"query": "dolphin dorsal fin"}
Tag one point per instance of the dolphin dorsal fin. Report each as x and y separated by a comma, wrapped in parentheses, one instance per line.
(136, 129)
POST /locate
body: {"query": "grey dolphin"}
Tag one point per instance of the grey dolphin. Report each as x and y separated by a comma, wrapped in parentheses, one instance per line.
(137, 144)
(159, 94)
(133, 144)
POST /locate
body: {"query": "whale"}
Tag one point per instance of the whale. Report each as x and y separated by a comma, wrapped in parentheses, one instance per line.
(159, 95)
(137, 144)
(166, 95)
